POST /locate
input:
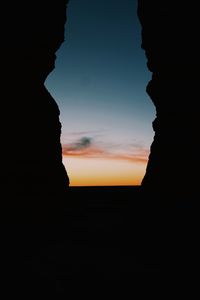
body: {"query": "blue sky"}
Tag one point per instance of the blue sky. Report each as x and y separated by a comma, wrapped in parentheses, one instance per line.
(100, 80)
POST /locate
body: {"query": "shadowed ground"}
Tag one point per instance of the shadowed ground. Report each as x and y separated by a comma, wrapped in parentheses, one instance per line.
(100, 234)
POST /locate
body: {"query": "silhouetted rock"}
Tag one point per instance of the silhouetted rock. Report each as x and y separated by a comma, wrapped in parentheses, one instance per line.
(170, 31)
(30, 152)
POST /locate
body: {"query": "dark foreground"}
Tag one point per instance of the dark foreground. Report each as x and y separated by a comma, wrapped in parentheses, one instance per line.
(107, 234)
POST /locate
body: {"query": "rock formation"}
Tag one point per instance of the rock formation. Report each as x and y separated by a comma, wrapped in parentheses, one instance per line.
(170, 32)
(31, 152)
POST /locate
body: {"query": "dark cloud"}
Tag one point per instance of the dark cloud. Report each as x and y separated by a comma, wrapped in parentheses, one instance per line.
(84, 146)
(83, 143)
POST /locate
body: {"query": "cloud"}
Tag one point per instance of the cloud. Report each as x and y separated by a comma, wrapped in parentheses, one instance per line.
(88, 147)
(82, 147)
(83, 143)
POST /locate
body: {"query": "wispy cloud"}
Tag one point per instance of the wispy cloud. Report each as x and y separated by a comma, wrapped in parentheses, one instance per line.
(88, 147)
(82, 147)
(83, 143)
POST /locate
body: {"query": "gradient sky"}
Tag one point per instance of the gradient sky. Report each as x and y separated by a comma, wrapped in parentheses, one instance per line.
(99, 84)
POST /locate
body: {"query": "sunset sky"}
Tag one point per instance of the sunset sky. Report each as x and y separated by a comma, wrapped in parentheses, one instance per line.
(99, 84)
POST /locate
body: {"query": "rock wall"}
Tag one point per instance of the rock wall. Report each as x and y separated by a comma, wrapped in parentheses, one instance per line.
(30, 152)
(170, 34)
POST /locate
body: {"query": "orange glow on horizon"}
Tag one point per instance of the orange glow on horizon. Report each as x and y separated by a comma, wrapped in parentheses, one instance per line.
(84, 171)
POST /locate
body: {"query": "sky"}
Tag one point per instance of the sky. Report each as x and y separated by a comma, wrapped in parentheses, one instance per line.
(99, 83)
